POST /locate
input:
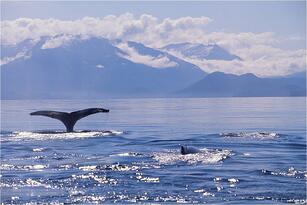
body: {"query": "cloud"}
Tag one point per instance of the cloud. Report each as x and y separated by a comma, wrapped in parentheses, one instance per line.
(263, 61)
(99, 66)
(258, 50)
(57, 41)
(19, 55)
(124, 26)
(134, 56)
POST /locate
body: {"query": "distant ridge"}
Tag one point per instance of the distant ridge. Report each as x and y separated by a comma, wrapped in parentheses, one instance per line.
(200, 51)
(92, 68)
(99, 68)
(219, 84)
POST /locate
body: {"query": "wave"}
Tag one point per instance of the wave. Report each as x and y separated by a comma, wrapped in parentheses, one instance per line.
(291, 172)
(206, 156)
(56, 135)
(36, 167)
(254, 135)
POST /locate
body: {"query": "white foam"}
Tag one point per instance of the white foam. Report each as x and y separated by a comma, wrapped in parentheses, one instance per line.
(233, 180)
(36, 183)
(297, 201)
(6, 166)
(38, 149)
(35, 167)
(170, 198)
(127, 154)
(88, 199)
(88, 168)
(206, 156)
(204, 192)
(91, 176)
(256, 135)
(199, 190)
(25, 135)
(150, 179)
(217, 179)
(208, 194)
(122, 168)
(65, 166)
(15, 198)
(291, 172)
(219, 188)
(33, 182)
(147, 179)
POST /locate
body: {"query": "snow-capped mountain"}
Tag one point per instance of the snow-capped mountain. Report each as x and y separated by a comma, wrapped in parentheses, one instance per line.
(93, 67)
(68, 68)
(200, 51)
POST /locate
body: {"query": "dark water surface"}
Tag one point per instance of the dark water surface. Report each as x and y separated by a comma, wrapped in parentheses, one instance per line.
(253, 151)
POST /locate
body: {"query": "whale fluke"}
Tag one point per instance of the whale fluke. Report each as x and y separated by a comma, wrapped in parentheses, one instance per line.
(69, 119)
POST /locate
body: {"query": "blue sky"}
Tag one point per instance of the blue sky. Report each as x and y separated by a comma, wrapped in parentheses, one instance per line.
(269, 36)
(283, 17)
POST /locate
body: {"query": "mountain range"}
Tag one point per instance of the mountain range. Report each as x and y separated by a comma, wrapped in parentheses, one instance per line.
(98, 67)
(94, 68)
(219, 84)
(200, 51)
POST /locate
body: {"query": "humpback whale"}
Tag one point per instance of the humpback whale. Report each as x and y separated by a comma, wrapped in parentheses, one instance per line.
(184, 149)
(69, 119)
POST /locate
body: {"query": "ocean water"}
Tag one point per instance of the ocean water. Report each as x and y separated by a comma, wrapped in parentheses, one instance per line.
(252, 151)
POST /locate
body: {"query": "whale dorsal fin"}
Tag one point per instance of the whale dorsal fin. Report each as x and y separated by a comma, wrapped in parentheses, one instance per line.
(69, 119)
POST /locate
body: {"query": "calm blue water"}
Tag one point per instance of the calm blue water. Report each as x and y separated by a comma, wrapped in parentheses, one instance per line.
(263, 160)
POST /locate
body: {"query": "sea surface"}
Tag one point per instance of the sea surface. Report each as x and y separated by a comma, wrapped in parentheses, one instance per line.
(252, 151)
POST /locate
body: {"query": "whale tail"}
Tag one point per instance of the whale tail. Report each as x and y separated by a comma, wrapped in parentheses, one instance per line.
(69, 119)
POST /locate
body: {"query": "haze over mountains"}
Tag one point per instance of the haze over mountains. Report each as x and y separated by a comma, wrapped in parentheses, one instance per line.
(97, 67)
(219, 84)
(200, 51)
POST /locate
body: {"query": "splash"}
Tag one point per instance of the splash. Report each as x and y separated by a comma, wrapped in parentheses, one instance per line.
(204, 192)
(94, 177)
(291, 172)
(38, 149)
(29, 182)
(56, 135)
(35, 167)
(121, 168)
(128, 154)
(147, 179)
(206, 156)
(253, 135)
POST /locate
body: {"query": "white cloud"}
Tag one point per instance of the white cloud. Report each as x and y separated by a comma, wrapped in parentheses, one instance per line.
(124, 26)
(134, 56)
(99, 66)
(258, 50)
(57, 41)
(19, 55)
(262, 61)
